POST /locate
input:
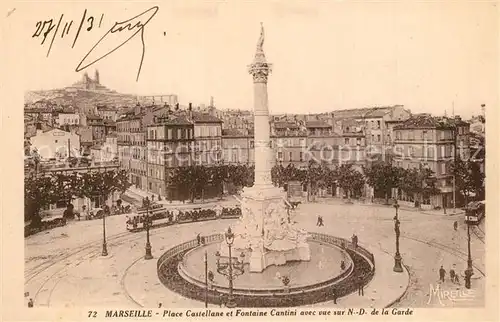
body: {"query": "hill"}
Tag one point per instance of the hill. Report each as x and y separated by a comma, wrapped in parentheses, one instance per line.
(81, 98)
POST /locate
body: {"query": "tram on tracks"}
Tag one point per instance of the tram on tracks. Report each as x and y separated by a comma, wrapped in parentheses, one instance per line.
(474, 212)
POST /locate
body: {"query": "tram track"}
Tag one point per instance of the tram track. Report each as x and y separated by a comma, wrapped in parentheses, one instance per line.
(478, 233)
(87, 251)
(445, 248)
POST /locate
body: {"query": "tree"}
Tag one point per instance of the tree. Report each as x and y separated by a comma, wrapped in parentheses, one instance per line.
(201, 180)
(331, 178)
(468, 178)
(39, 192)
(350, 180)
(69, 185)
(419, 182)
(103, 184)
(220, 176)
(312, 178)
(383, 177)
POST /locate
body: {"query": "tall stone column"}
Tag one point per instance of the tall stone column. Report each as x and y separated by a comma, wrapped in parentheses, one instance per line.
(260, 69)
(264, 215)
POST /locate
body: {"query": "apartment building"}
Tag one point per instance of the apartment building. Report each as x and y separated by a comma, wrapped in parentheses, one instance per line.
(377, 124)
(431, 142)
(170, 144)
(238, 146)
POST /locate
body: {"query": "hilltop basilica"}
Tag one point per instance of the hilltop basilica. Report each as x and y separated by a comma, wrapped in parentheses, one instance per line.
(87, 83)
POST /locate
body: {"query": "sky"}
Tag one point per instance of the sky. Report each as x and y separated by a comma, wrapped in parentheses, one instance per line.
(427, 56)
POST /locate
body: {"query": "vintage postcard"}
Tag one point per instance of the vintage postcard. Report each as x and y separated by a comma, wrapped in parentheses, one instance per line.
(268, 160)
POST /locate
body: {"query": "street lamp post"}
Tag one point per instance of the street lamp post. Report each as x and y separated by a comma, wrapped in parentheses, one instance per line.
(147, 224)
(469, 271)
(104, 245)
(232, 268)
(397, 257)
(209, 276)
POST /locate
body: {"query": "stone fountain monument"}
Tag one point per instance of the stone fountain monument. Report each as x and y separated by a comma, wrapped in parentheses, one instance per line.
(264, 232)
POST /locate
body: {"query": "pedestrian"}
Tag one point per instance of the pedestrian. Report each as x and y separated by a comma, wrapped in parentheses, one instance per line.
(342, 265)
(354, 240)
(334, 295)
(318, 221)
(321, 221)
(198, 238)
(442, 274)
(30, 303)
(221, 299)
(452, 275)
(455, 225)
(361, 290)
(159, 305)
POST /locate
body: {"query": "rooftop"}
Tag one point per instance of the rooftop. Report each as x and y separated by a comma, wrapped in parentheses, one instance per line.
(366, 112)
(317, 124)
(426, 121)
(285, 125)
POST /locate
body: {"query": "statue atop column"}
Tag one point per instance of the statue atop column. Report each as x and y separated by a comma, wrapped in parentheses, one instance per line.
(260, 43)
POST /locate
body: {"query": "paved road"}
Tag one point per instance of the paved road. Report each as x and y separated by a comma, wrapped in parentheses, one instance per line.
(63, 266)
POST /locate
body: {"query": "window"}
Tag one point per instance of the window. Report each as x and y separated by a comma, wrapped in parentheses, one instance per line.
(251, 144)
(411, 151)
(430, 152)
(378, 124)
(290, 156)
(280, 155)
(301, 156)
(346, 141)
(443, 168)
(302, 142)
(378, 137)
(358, 141)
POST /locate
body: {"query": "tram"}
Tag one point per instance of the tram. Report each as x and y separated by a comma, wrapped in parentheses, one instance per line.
(474, 212)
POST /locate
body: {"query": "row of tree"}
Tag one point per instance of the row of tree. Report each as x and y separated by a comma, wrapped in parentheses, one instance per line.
(196, 179)
(43, 190)
(382, 176)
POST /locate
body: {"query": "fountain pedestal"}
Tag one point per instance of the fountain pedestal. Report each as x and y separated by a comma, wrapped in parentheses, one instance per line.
(264, 232)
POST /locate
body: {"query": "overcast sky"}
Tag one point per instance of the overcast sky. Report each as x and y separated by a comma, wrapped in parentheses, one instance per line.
(344, 54)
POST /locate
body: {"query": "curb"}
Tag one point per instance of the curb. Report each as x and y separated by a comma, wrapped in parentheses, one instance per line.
(405, 291)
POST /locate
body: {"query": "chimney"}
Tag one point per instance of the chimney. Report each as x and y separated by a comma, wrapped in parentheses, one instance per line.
(137, 109)
(190, 111)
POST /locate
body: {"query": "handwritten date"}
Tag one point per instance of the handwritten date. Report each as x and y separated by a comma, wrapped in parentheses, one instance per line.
(45, 28)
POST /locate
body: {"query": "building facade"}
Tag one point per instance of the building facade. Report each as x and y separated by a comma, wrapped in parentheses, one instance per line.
(55, 143)
(429, 142)
(170, 144)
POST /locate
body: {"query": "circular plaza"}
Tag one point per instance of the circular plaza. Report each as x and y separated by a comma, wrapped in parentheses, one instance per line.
(336, 269)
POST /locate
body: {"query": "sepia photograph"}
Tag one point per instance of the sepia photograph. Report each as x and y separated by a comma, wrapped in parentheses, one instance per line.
(273, 159)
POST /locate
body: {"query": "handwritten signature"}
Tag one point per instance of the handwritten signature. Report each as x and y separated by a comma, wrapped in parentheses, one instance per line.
(117, 36)
(114, 39)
